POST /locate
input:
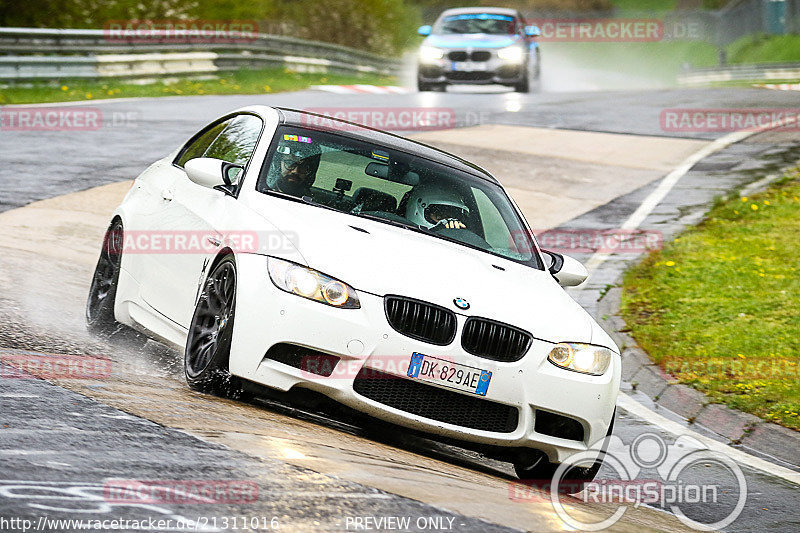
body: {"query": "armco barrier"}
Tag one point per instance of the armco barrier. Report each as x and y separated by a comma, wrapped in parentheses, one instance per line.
(46, 54)
(756, 73)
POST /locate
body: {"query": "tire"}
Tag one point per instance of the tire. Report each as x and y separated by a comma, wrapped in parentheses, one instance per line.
(208, 345)
(100, 319)
(523, 86)
(543, 470)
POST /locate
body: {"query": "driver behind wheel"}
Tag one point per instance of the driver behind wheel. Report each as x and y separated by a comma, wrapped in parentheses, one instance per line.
(435, 208)
(294, 166)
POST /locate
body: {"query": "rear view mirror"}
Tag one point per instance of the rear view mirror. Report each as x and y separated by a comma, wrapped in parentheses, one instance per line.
(399, 173)
(377, 170)
(568, 272)
(425, 30)
(213, 173)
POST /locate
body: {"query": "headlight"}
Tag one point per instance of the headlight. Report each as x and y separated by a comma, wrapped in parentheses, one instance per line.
(512, 54)
(311, 284)
(429, 53)
(583, 358)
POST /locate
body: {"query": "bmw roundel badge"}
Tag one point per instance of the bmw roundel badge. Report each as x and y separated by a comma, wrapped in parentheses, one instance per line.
(461, 303)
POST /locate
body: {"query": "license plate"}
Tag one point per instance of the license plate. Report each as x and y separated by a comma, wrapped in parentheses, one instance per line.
(468, 66)
(449, 374)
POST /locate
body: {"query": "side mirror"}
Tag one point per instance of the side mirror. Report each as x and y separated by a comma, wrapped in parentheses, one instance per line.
(425, 30)
(212, 173)
(568, 272)
(532, 31)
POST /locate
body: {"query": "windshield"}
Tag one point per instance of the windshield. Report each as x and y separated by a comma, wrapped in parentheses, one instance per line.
(485, 23)
(375, 182)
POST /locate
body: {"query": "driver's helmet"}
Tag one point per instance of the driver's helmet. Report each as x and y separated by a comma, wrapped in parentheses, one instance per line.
(295, 164)
(430, 204)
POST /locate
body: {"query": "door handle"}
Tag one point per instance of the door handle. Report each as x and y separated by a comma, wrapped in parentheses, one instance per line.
(167, 195)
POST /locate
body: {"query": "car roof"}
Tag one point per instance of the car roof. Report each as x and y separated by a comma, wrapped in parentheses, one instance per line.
(468, 10)
(299, 118)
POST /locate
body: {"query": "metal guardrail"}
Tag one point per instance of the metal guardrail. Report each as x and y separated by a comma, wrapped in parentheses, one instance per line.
(46, 54)
(756, 73)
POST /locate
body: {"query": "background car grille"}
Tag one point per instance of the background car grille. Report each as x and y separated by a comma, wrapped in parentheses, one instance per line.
(437, 404)
(470, 76)
(477, 55)
(494, 340)
(421, 320)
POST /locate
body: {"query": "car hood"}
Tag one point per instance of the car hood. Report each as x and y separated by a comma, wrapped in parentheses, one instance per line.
(466, 40)
(381, 259)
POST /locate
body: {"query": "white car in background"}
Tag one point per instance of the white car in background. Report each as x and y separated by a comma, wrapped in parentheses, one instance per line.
(392, 277)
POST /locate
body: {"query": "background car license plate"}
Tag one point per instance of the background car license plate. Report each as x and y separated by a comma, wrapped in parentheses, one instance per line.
(468, 66)
(449, 374)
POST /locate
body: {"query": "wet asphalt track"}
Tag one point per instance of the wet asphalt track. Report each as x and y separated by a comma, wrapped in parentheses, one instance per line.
(54, 438)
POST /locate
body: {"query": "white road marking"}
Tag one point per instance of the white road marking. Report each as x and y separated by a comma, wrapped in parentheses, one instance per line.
(741, 457)
(667, 183)
(637, 217)
(361, 89)
(780, 86)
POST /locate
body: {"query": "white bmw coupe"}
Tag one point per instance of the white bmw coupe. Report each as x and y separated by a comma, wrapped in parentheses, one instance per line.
(389, 276)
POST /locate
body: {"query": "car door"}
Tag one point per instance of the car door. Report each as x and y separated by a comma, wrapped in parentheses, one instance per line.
(195, 220)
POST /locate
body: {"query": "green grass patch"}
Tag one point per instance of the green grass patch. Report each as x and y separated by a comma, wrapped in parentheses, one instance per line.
(260, 81)
(639, 6)
(663, 61)
(765, 49)
(659, 61)
(719, 307)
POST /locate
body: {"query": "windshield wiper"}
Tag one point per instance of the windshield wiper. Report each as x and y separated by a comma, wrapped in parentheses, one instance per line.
(406, 225)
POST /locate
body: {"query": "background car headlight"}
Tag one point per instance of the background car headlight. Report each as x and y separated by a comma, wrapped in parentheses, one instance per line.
(583, 358)
(512, 54)
(309, 283)
(429, 53)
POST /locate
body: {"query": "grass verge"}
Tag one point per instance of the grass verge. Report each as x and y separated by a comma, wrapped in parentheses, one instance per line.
(662, 61)
(719, 307)
(260, 81)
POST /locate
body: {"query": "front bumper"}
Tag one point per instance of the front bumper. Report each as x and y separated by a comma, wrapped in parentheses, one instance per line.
(363, 338)
(494, 70)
